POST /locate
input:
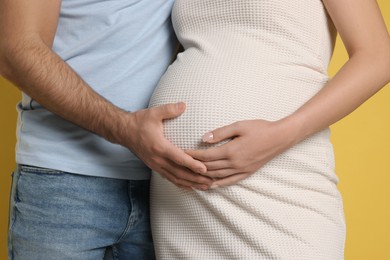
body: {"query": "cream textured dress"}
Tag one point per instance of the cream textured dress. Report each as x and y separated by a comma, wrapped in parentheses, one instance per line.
(250, 59)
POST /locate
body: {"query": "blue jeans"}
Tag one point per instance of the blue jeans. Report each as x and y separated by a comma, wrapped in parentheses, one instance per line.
(56, 215)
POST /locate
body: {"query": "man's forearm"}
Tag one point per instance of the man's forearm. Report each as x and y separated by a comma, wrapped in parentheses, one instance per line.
(45, 77)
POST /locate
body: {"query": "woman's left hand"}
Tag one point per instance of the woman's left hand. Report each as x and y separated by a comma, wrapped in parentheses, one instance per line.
(253, 143)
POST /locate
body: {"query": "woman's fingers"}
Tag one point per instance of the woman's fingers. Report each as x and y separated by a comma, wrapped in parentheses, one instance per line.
(222, 133)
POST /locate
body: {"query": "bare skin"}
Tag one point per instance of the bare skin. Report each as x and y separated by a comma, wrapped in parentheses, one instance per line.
(256, 142)
(26, 36)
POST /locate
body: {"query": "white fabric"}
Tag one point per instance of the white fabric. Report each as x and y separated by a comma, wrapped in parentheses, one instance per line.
(250, 59)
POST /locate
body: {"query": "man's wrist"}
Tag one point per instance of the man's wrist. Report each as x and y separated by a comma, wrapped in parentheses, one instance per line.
(119, 126)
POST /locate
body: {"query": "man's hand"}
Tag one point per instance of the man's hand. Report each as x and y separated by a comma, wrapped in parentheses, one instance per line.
(253, 144)
(146, 140)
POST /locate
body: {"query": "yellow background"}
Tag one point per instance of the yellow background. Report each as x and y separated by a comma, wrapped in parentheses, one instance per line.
(362, 148)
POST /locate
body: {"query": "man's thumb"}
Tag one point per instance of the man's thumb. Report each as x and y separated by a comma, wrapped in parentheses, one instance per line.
(173, 110)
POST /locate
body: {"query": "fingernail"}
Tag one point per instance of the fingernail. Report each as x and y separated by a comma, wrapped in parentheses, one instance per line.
(214, 186)
(207, 137)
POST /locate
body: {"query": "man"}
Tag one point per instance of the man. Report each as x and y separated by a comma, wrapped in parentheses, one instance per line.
(87, 69)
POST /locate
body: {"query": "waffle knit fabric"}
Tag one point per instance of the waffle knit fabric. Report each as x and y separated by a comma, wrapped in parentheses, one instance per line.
(250, 59)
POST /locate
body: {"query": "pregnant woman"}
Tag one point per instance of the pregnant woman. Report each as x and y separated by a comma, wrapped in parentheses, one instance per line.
(255, 72)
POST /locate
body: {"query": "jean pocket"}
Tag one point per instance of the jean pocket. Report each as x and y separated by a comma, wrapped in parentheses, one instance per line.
(38, 191)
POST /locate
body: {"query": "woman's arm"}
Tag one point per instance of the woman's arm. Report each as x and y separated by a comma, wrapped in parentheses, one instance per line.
(362, 29)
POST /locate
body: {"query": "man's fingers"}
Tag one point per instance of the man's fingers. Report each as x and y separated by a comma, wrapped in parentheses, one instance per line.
(223, 173)
(218, 165)
(184, 178)
(181, 158)
(170, 177)
(194, 179)
(220, 134)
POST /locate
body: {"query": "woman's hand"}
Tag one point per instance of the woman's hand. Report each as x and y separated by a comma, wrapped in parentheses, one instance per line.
(253, 144)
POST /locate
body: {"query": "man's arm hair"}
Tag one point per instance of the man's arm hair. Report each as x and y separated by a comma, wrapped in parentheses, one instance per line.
(26, 35)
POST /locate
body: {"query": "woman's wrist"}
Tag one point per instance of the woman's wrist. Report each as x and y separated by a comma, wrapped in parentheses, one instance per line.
(293, 127)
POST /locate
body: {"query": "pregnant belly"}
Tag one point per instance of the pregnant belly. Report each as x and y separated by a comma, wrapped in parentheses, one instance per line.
(220, 92)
